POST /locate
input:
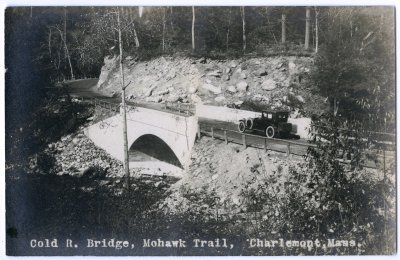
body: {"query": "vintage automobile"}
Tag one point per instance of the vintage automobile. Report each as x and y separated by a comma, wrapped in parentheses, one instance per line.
(272, 124)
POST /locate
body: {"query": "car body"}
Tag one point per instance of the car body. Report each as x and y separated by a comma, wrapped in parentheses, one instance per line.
(272, 123)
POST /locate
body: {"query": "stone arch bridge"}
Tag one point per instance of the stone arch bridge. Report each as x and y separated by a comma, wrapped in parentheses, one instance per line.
(166, 136)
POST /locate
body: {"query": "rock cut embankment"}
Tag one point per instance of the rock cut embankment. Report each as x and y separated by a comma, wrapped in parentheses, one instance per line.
(271, 81)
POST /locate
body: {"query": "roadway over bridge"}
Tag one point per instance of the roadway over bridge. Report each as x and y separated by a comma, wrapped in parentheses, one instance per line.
(163, 136)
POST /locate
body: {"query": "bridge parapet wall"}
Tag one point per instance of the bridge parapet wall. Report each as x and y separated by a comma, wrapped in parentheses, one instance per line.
(178, 132)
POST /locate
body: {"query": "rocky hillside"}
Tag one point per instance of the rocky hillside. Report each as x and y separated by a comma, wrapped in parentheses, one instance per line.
(272, 81)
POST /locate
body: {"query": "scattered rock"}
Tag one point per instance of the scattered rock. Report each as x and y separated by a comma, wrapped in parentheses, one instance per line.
(238, 71)
(261, 72)
(226, 77)
(202, 60)
(162, 92)
(232, 89)
(212, 88)
(173, 98)
(192, 90)
(279, 66)
(300, 99)
(292, 66)
(243, 75)
(195, 98)
(220, 99)
(242, 86)
(268, 84)
(238, 103)
(215, 73)
(233, 64)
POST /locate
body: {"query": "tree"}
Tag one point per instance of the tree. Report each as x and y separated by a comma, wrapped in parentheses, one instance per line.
(123, 87)
(283, 21)
(316, 29)
(164, 28)
(307, 34)
(193, 22)
(244, 28)
(63, 39)
(228, 29)
(355, 69)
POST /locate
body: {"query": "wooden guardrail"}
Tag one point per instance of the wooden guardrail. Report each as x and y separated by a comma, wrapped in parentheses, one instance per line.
(266, 143)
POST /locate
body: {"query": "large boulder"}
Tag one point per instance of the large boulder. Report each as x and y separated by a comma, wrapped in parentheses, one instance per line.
(195, 98)
(300, 99)
(232, 89)
(261, 72)
(220, 99)
(161, 92)
(268, 84)
(192, 90)
(226, 77)
(212, 88)
(173, 98)
(149, 92)
(215, 73)
(238, 103)
(242, 86)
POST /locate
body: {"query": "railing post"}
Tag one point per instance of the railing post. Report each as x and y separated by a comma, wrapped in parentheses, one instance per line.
(244, 140)
(288, 149)
(226, 138)
(212, 132)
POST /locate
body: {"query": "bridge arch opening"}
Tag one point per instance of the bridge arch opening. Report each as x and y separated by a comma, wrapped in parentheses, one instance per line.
(152, 148)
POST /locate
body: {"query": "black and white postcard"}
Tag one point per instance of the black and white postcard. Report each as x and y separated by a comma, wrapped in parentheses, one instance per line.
(200, 130)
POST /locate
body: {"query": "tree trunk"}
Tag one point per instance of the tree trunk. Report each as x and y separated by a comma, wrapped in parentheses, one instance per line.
(283, 28)
(163, 31)
(65, 31)
(137, 44)
(335, 106)
(269, 26)
(49, 43)
(193, 21)
(64, 37)
(316, 29)
(125, 132)
(228, 30)
(172, 22)
(67, 52)
(244, 28)
(308, 22)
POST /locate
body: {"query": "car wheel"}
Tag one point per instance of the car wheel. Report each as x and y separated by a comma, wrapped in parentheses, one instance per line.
(242, 126)
(249, 123)
(270, 132)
